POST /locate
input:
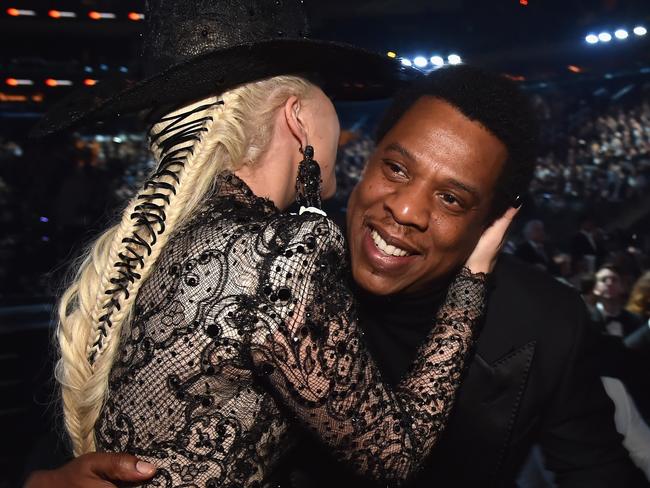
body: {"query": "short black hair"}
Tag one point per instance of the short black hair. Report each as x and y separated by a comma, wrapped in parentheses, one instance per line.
(492, 100)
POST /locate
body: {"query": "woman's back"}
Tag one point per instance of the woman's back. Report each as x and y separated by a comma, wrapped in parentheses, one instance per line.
(183, 385)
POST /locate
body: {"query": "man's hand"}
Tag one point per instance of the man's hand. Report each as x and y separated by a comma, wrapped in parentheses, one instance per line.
(95, 470)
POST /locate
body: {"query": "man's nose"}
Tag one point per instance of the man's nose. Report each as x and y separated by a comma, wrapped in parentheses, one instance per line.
(409, 206)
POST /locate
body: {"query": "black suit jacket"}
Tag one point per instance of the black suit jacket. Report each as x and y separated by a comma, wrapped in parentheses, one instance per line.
(532, 380)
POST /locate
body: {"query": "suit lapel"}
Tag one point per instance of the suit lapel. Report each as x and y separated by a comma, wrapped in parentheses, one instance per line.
(488, 404)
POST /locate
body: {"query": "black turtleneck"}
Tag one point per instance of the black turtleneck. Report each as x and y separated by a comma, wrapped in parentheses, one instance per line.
(395, 326)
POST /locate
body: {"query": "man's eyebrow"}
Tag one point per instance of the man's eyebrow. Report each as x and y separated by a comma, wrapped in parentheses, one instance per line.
(397, 147)
(469, 189)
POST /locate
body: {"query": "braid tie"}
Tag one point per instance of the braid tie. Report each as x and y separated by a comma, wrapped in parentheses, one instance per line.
(173, 144)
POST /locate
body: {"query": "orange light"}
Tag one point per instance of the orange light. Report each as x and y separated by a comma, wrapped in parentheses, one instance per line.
(14, 12)
(574, 69)
(12, 81)
(135, 16)
(94, 15)
(51, 82)
(4, 97)
(37, 97)
(90, 82)
(523, 2)
(55, 14)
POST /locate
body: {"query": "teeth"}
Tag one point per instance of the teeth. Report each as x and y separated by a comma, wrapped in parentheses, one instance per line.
(383, 246)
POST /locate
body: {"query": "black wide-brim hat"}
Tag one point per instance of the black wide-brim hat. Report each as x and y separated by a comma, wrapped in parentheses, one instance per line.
(195, 48)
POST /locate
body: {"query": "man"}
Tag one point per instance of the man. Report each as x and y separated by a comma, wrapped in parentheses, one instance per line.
(454, 153)
(535, 249)
(587, 249)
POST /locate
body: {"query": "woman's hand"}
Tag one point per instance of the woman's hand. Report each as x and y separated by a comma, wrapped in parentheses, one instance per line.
(95, 470)
(484, 255)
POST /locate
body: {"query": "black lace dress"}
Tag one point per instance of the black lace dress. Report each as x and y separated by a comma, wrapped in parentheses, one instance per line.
(247, 330)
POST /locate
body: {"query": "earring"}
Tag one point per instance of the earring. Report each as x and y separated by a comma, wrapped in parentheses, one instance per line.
(308, 182)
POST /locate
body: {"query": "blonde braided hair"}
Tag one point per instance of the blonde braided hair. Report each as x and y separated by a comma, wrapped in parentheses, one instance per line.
(192, 146)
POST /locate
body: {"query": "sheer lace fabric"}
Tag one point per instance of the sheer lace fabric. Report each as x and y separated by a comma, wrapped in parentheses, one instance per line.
(247, 328)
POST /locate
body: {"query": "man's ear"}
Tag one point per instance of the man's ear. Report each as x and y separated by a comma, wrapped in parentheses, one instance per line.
(292, 114)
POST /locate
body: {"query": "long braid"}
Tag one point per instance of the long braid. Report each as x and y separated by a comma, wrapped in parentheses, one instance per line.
(192, 146)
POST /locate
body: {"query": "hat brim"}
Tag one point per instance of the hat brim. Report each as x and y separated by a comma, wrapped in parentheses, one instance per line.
(347, 73)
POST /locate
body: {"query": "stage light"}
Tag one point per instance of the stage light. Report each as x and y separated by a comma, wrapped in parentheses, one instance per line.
(437, 61)
(391, 54)
(639, 30)
(18, 82)
(454, 59)
(101, 15)
(420, 61)
(124, 69)
(591, 39)
(604, 37)
(574, 69)
(60, 14)
(90, 82)
(407, 62)
(621, 34)
(135, 16)
(52, 82)
(15, 12)
(103, 67)
(88, 69)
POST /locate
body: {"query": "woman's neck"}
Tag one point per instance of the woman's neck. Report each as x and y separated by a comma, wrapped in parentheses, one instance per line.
(273, 175)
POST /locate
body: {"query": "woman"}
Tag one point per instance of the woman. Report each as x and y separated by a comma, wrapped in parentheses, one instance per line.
(207, 323)
(639, 302)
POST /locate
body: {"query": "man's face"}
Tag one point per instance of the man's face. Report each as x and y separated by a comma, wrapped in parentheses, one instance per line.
(424, 199)
(608, 284)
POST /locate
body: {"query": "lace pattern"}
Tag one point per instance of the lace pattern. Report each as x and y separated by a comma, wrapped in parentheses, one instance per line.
(247, 328)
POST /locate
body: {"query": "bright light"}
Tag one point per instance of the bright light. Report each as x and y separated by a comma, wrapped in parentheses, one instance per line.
(52, 82)
(437, 61)
(420, 61)
(14, 12)
(592, 38)
(90, 82)
(101, 15)
(391, 54)
(135, 16)
(59, 14)
(407, 62)
(605, 36)
(621, 34)
(639, 30)
(454, 59)
(574, 69)
(17, 82)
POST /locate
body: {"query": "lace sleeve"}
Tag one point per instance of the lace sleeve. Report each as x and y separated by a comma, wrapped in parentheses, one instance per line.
(314, 360)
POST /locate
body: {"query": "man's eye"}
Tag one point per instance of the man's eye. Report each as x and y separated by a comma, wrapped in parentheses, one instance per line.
(394, 168)
(450, 199)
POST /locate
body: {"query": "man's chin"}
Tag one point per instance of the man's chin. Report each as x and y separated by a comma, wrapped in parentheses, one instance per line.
(376, 284)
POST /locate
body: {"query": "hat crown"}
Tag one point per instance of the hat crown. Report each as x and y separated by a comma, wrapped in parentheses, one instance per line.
(178, 30)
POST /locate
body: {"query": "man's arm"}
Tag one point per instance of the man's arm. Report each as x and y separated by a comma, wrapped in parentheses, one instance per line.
(578, 435)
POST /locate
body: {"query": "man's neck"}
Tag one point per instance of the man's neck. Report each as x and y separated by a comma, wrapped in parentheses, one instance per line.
(610, 307)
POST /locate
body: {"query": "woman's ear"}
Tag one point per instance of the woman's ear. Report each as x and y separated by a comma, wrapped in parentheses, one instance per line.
(292, 114)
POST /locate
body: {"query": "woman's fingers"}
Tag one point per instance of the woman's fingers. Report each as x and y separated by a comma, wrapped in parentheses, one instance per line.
(487, 249)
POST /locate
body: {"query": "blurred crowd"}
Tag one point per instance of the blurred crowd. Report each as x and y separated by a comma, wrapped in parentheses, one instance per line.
(606, 159)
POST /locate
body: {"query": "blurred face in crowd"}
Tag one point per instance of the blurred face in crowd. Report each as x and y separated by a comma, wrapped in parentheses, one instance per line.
(608, 284)
(424, 199)
(535, 232)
